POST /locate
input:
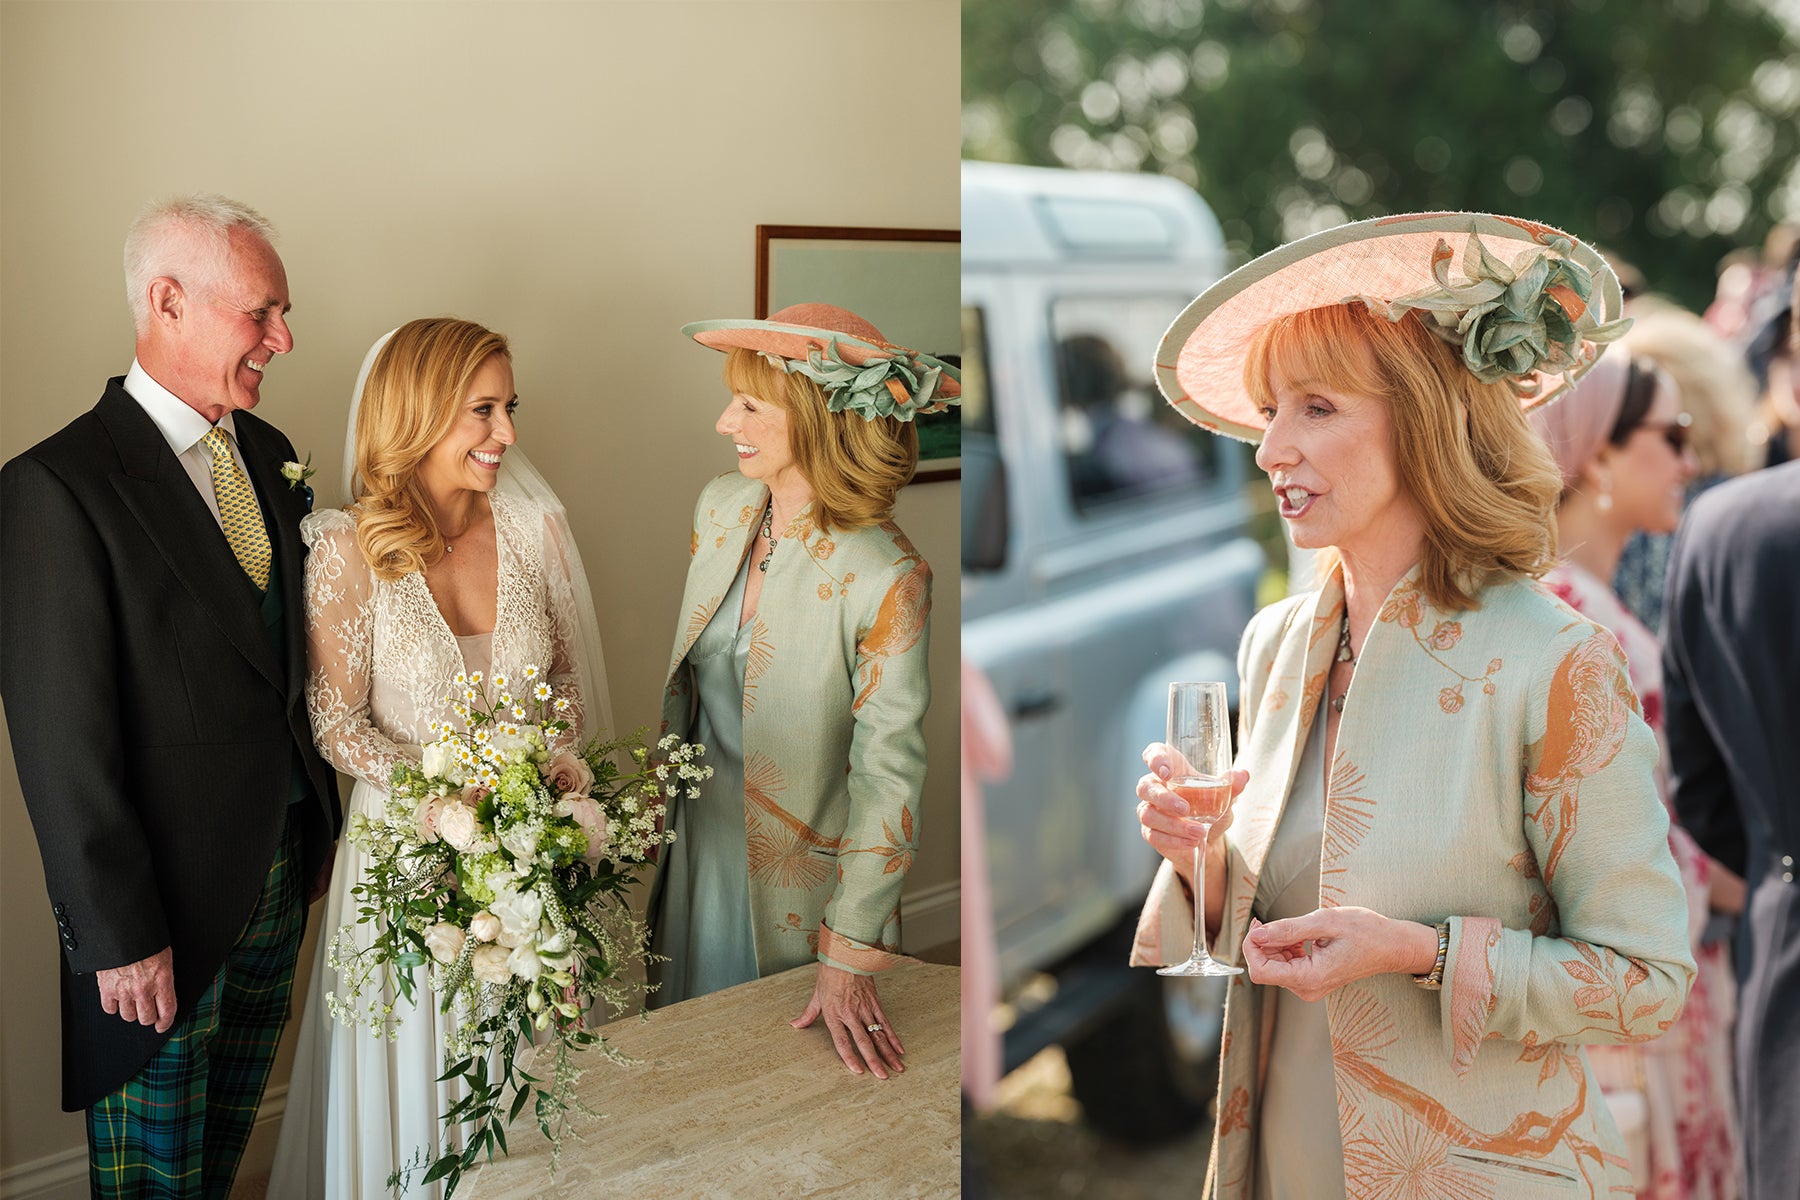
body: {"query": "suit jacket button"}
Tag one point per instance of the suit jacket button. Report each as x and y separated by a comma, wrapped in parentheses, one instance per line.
(69, 942)
(58, 909)
(1787, 860)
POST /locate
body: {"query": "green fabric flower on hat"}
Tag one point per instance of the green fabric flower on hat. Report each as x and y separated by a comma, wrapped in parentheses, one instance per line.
(898, 386)
(1510, 322)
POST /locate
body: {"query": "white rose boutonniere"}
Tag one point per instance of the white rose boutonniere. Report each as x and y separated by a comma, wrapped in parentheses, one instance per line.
(296, 474)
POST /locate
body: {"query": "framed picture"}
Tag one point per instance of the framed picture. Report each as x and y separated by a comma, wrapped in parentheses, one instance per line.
(906, 282)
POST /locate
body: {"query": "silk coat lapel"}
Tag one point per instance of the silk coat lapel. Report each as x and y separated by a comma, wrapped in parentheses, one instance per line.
(712, 574)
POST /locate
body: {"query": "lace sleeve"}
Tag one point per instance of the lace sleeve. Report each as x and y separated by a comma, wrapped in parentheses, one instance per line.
(340, 628)
(578, 666)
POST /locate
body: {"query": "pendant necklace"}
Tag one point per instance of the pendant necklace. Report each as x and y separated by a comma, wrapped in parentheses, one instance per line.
(768, 536)
(1343, 655)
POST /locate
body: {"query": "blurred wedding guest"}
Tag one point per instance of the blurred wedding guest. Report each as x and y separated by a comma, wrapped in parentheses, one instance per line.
(1772, 356)
(1115, 451)
(800, 662)
(1450, 869)
(986, 755)
(1621, 443)
(1718, 394)
(1731, 663)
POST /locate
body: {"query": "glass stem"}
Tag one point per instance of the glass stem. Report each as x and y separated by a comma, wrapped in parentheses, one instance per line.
(1199, 952)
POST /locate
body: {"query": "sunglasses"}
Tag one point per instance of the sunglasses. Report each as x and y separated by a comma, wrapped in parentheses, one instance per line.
(1678, 433)
(1640, 393)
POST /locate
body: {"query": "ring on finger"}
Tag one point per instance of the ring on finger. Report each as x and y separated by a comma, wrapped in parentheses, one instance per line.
(873, 1028)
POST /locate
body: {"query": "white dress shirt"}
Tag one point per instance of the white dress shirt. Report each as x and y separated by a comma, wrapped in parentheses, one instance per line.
(183, 428)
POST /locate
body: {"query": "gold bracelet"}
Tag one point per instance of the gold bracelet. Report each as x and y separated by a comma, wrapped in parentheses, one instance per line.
(1435, 980)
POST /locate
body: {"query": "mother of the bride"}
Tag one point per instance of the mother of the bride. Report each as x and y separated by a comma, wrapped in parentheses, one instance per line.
(1450, 834)
(800, 661)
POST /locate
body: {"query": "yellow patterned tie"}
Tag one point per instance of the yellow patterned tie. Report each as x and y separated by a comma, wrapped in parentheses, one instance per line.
(238, 511)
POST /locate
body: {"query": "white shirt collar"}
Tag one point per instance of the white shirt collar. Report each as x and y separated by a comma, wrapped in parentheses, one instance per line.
(181, 426)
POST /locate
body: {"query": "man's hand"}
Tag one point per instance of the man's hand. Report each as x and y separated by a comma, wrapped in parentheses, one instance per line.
(142, 991)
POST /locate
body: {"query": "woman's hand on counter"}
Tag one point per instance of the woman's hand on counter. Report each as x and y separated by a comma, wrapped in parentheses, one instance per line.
(848, 1004)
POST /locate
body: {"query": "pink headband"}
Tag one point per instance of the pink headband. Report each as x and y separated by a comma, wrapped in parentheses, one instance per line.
(1578, 425)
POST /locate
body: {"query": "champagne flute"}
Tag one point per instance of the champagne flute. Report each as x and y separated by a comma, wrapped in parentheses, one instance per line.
(1199, 736)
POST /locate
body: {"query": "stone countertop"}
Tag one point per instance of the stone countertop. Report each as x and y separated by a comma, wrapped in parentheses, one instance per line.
(725, 1101)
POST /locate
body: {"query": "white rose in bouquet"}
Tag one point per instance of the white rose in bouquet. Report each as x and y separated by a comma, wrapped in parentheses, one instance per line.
(489, 964)
(515, 742)
(568, 773)
(439, 756)
(524, 962)
(445, 941)
(457, 825)
(484, 926)
(519, 913)
(522, 839)
(593, 822)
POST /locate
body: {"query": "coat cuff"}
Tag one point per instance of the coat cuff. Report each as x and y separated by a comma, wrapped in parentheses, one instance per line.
(1466, 1002)
(848, 954)
(1165, 931)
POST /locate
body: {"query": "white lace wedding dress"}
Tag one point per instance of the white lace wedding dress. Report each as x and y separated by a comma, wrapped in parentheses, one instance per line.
(381, 661)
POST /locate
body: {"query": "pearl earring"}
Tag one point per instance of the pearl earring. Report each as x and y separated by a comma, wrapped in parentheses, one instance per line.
(1604, 500)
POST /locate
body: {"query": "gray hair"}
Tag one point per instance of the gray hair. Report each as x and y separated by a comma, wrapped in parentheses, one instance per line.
(187, 238)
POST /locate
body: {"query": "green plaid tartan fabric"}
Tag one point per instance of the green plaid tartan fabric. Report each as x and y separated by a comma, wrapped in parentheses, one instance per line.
(239, 514)
(179, 1126)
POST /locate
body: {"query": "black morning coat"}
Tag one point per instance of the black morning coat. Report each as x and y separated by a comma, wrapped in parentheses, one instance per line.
(1731, 691)
(159, 736)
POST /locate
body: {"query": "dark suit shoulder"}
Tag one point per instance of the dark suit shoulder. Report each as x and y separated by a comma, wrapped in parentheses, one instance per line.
(1756, 515)
(252, 427)
(71, 448)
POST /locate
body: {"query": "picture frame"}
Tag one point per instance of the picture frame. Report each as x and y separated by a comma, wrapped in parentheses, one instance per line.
(905, 282)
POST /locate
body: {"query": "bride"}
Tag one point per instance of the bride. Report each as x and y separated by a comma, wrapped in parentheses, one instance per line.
(454, 556)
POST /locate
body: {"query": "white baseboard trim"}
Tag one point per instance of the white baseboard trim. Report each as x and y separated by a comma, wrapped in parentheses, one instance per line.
(64, 1175)
(931, 917)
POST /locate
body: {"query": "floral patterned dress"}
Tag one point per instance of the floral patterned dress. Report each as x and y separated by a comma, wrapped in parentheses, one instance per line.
(380, 663)
(1685, 1075)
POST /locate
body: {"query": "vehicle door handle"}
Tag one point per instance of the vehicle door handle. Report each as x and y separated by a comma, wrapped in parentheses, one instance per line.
(1035, 704)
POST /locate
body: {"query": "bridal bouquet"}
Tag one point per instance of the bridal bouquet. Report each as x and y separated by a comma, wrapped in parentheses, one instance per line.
(502, 868)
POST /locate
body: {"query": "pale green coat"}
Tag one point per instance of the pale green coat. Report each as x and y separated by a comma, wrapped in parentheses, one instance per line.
(834, 695)
(1491, 769)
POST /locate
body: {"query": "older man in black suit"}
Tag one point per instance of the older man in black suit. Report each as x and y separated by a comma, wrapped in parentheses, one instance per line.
(1731, 664)
(152, 661)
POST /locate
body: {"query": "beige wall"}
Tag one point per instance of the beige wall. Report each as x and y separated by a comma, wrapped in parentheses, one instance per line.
(583, 177)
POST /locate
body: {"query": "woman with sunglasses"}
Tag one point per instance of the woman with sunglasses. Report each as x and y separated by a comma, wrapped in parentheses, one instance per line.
(1621, 443)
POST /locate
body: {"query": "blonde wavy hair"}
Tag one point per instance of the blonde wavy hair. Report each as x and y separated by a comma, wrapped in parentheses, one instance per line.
(855, 467)
(1484, 484)
(409, 403)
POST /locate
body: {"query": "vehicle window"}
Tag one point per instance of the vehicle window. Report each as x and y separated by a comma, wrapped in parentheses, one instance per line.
(1123, 443)
(984, 513)
(977, 413)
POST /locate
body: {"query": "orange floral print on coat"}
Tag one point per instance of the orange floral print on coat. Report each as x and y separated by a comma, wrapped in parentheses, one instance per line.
(896, 628)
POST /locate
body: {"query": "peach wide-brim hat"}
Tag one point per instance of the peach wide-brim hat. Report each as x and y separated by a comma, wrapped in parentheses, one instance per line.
(1200, 361)
(798, 330)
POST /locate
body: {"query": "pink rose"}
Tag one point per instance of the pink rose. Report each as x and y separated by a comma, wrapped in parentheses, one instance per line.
(569, 772)
(428, 818)
(587, 814)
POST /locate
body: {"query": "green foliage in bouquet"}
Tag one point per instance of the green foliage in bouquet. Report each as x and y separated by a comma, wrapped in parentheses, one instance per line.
(501, 863)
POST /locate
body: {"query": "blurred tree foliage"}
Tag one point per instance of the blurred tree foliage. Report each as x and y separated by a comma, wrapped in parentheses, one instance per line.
(1663, 130)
